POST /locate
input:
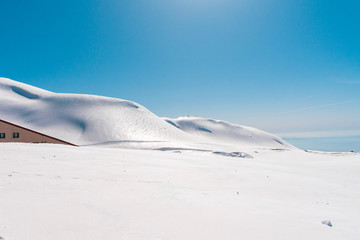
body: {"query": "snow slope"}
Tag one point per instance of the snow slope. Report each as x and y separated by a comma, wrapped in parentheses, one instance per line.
(221, 132)
(87, 119)
(81, 119)
(60, 192)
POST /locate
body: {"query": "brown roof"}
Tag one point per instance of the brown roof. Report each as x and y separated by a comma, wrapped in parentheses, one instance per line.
(38, 133)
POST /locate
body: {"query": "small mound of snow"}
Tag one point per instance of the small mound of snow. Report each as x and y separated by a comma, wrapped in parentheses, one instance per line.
(234, 154)
(327, 222)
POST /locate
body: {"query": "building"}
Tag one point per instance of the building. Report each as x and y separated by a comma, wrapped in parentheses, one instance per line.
(10, 132)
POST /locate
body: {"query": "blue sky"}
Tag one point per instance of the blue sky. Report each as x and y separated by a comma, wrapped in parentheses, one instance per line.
(288, 67)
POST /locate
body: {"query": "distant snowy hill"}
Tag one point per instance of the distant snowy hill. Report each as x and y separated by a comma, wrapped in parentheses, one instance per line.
(87, 119)
(224, 133)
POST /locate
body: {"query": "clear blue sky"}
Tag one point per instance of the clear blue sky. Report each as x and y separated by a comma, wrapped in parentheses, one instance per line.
(288, 67)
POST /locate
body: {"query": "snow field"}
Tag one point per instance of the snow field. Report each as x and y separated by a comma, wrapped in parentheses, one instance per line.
(60, 192)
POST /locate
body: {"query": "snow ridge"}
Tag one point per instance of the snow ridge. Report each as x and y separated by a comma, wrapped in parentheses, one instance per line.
(88, 119)
(222, 132)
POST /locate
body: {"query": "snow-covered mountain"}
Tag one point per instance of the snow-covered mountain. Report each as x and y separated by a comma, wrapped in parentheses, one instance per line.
(88, 119)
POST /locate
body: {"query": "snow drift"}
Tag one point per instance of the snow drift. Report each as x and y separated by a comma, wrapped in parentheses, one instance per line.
(224, 133)
(88, 119)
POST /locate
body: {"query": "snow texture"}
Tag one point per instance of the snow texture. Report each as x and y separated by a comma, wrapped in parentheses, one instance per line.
(61, 192)
(187, 178)
(327, 222)
(95, 120)
(224, 133)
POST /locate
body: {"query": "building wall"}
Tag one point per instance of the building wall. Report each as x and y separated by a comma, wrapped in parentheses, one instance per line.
(25, 135)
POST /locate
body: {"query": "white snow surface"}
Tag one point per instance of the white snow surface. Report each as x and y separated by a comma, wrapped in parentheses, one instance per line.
(61, 192)
(81, 119)
(187, 178)
(225, 133)
(88, 120)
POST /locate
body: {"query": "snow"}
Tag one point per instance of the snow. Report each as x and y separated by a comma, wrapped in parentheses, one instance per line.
(224, 133)
(87, 119)
(95, 120)
(62, 192)
(139, 176)
(327, 222)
